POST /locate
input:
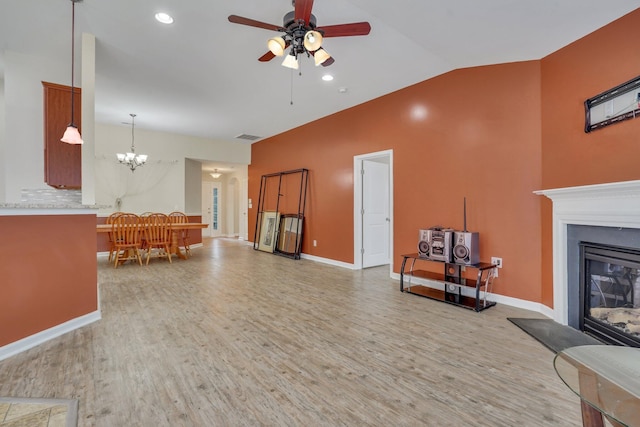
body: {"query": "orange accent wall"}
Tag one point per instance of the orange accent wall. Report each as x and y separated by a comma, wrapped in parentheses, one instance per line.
(585, 68)
(48, 274)
(480, 139)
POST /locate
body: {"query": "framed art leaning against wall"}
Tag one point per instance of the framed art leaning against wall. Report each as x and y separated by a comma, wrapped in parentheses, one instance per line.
(290, 234)
(268, 230)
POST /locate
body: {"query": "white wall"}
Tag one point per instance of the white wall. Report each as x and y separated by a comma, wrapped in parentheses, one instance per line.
(193, 188)
(160, 185)
(88, 118)
(3, 170)
(24, 118)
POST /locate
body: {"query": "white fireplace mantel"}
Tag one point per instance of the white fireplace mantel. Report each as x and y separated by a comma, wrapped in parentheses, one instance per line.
(608, 205)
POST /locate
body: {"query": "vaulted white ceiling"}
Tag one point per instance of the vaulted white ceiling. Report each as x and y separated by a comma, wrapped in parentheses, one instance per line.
(200, 76)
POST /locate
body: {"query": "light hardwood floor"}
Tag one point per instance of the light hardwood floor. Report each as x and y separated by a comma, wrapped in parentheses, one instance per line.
(236, 337)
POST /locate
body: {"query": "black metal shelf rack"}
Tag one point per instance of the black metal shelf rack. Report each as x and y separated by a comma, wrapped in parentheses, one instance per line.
(295, 238)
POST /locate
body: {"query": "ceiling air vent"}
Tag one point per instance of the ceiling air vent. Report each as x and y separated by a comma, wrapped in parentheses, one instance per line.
(248, 137)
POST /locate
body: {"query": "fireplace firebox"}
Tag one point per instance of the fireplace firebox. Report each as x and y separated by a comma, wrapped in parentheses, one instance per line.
(610, 293)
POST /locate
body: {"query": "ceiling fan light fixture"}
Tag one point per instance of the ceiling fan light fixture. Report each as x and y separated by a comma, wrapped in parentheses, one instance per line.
(312, 40)
(320, 56)
(291, 61)
(276, 46)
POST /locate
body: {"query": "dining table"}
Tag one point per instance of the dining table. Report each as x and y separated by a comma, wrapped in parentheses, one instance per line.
(175, 228)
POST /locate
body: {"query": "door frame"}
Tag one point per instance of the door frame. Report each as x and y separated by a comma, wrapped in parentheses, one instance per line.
(357, 205)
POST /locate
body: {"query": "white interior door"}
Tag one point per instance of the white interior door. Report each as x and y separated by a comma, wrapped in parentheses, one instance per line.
(207, 204)
(375, 213)
(216, 209)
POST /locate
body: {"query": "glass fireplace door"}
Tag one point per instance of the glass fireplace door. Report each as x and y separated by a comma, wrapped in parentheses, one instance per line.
(611, 293)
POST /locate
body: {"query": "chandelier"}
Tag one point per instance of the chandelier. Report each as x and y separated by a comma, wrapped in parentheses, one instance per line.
(131, 159)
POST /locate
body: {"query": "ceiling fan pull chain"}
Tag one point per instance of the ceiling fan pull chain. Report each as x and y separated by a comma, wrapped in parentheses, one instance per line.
(291, 99)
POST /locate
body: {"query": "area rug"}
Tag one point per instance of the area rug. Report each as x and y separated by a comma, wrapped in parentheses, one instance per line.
(25, 412)
(553, 335)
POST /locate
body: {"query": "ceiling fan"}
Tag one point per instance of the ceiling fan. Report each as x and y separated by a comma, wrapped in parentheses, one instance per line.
(302, 35)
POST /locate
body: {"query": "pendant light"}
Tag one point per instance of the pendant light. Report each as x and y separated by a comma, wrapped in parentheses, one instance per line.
(72, 135)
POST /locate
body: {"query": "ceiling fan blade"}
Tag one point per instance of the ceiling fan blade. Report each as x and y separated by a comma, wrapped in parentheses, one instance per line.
(303, 10)
(253, 23)
(328, 62)
(267, 57)
(344, 30)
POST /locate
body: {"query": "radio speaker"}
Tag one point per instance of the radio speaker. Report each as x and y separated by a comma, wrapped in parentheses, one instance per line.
(466, 247)
(424, 243)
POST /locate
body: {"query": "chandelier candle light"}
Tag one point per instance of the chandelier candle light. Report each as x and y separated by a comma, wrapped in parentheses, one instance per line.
(131, 159)
(72, 135)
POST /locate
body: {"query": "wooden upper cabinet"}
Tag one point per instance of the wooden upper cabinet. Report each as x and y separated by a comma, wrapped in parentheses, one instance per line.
(62, 162)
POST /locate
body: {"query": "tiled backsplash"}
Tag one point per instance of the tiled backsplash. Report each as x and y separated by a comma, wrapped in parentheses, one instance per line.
(52, 196)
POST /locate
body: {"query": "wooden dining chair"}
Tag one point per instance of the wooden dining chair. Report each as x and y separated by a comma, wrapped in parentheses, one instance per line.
(157, 228)
(143, 215)
(183, 234)
(112, 247)
(126, 229)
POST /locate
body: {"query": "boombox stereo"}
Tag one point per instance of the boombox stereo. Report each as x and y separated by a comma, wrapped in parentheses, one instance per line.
(466, 247)
(435, 243)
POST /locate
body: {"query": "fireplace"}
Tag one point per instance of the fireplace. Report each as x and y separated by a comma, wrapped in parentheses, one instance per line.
(601, 214)
(610, 293)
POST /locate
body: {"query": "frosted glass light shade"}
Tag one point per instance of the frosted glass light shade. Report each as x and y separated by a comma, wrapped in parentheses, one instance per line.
(276, 46)
(290, 62)
(320, 56)
(312, 40)
(72, 136)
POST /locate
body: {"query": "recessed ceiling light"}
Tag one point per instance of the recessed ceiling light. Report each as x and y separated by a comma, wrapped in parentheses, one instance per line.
(327, 77)
(164, 18)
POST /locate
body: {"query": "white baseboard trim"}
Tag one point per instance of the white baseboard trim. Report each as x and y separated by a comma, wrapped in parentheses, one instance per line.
(470, 292)
(328, 261)
(48, 334)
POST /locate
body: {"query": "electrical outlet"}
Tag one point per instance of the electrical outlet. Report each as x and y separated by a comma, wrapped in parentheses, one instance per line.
(496, 261)
(315, 243)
